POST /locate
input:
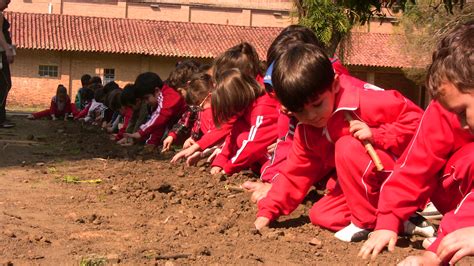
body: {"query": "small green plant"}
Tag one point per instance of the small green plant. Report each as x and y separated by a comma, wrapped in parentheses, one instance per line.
(71, 179)
(76, 180)
(93, 262)
(51, 170)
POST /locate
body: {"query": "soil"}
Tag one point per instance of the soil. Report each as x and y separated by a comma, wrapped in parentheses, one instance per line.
(68, 195)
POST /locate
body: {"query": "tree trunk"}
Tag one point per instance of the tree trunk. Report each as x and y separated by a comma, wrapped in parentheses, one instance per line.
(335, 40)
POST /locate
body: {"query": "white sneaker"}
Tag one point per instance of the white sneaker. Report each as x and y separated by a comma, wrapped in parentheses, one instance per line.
(352, 233)
(430, 212)
(418, 225)
(428, 241)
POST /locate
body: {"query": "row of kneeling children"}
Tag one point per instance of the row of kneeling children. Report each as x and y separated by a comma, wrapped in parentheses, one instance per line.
(305, 121)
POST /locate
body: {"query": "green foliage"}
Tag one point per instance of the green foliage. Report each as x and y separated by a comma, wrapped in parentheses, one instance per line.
(424, 24)
(331, 20)
(93, 262)
(325, 18)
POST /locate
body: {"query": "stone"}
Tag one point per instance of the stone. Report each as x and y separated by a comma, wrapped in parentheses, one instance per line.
(316, 242)
(9, 233)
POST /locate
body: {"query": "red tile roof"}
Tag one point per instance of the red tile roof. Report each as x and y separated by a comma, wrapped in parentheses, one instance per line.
(132, 36)
(165, 38)
(379, 50)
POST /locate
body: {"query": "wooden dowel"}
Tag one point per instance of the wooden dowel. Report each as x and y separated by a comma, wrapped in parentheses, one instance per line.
(368, 146)
(172, 256)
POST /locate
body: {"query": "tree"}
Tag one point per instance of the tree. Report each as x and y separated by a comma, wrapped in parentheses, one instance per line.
(424, 24)
(333, 19)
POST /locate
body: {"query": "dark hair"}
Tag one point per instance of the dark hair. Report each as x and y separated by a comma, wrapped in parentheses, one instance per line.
(289, 35)
(99, 95)
(109, 87)
(85, 79)
(95, 80)
(128, 96)
(204, 68)
(182, 74)
(235, 91)
(114, 100)
(61, 90)
(146, 83)
(453, 60)
(300, 74)
(198, 88)
(242, 56)
(87, 95)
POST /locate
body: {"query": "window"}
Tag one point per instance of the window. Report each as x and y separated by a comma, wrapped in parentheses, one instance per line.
(48, 71)
(109, 75)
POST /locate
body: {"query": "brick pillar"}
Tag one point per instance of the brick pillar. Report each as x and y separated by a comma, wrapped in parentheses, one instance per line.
(247, 17)
(66, 69)
(124, 6)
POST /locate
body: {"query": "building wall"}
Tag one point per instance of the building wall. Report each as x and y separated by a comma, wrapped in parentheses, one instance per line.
(247, 13)
(31, 91)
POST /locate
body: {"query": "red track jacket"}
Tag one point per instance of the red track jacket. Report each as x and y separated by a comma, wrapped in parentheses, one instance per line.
(259, 127)
(419, 171)
(170, 107)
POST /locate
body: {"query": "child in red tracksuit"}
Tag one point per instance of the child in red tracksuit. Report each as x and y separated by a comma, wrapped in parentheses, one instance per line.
(286, 122)
(325, 141)
(286, 128)
(168, 106)
(255, 128)
(126, 111)
(60, 106)
(198, 96)
(439, 162)
(245, 58)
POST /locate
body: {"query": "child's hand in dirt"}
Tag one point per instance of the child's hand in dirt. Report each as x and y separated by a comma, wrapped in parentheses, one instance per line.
(213, 155)
(125, 142)
(167, 143)
(188, 143)
(216, 170)
(65, 117)
(259, 190)
(194, 158)
(135, 135)
(456, 245)
(377, 241)
(185, 153)
(360, 130)
(428, 258)
(261, 222)
(54, 118)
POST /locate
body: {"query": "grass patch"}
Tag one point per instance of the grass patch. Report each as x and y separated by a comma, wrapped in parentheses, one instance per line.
(76, 180)
(93, 262)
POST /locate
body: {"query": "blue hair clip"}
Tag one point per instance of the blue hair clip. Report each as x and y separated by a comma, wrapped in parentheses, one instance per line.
(267, 80)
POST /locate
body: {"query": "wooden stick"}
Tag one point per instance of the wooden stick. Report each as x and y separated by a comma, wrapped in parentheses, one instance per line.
(172, 256)
(368, 146)
(234, 188)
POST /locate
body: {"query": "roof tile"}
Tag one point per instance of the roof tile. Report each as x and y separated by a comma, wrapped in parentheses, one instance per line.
(182, 39)
(133, 36)
(379, 50)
